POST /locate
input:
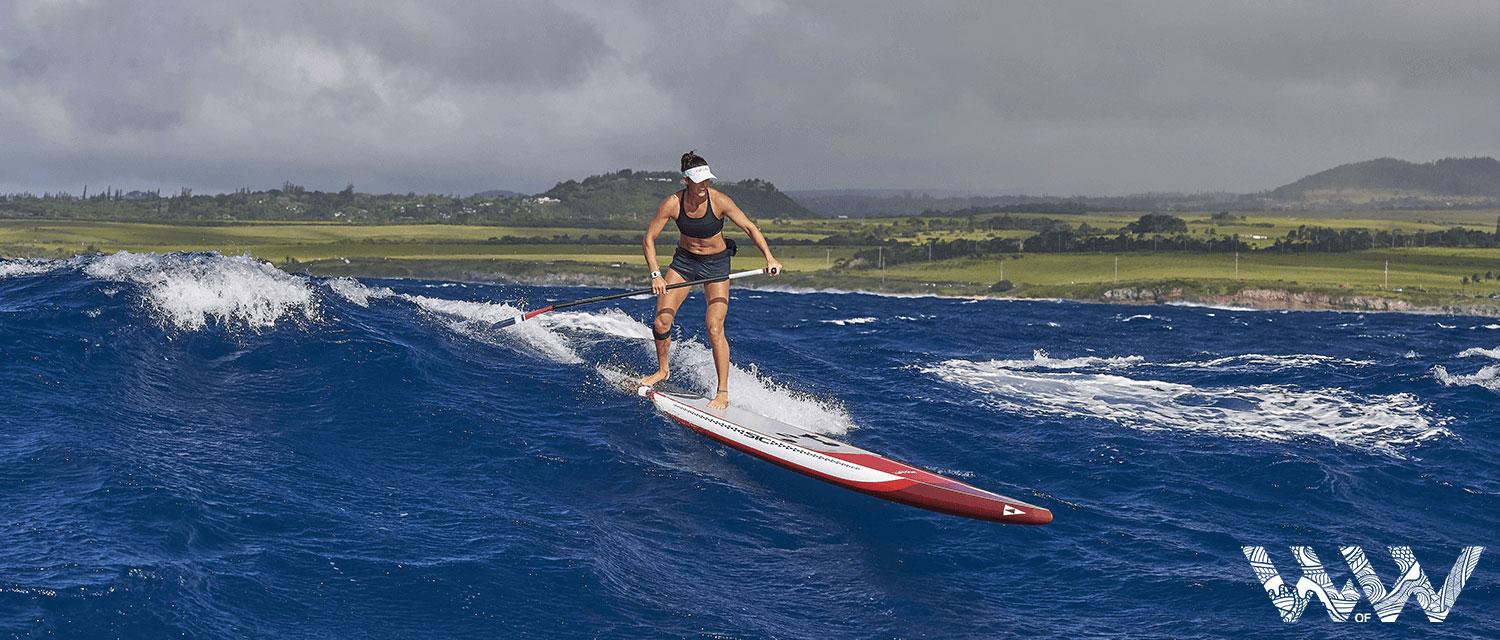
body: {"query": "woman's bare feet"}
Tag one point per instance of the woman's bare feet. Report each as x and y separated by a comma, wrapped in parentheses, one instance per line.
(654, 378)
(720, 401)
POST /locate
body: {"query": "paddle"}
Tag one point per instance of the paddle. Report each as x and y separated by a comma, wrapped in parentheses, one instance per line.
(615, 296)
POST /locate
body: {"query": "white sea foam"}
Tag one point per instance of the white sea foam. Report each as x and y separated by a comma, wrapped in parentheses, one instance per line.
(808, 290)
(1386, 424)
(1487, 377)
(1259, 362)
(189, 290)
(1040, 360)
(693, 367)
(477, 319)
(608, 324)
(356, 291)
(27, 267)
(1481, 351)
(1219, 307)
(553, 336)
(1142, 316)
(1444, 326)
(848, 321)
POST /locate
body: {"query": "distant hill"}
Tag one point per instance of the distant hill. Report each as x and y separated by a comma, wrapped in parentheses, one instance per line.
(639, 192)
(498, 193)
(1456, 177)
(904, 204)
(1378, 184)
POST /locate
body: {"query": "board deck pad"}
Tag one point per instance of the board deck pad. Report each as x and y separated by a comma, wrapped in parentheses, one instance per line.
(835, 462)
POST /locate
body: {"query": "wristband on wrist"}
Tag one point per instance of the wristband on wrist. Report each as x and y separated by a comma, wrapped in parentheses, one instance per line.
(655, 275)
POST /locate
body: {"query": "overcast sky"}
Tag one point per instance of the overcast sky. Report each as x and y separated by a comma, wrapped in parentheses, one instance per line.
(992, 97)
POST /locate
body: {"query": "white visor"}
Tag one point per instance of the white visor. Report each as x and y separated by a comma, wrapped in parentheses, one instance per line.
(699, 174)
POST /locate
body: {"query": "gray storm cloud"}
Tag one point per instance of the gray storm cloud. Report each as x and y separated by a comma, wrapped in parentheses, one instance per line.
(985, 96)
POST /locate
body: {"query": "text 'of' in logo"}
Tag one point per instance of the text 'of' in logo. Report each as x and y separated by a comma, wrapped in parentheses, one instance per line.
(1412, 583)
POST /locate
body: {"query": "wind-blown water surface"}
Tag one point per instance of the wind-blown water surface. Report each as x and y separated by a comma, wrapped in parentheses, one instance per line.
(204, 445)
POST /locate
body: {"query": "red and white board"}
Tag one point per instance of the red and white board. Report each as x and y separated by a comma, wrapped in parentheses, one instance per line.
(836, 462)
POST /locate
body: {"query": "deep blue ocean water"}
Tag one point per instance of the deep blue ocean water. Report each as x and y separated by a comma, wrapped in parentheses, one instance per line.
(203, 446)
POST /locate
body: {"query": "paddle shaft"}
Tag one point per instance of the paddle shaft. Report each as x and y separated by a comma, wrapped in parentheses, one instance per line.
(615, 296)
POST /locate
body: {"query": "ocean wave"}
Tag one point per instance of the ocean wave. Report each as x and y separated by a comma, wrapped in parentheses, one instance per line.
(1040, 360)
(1217, 307)
(1258, 361)
(189, 290)
(694, 362)
(849, 321)
(1481, 351)
(1487, 377)
(477, 320)
(802, 291)
(28, 266)
(1386, 424)
(356, 291)
(562, 337)
(693, 367)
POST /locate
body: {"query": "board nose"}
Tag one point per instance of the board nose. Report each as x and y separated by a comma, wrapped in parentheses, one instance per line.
(1035, 516)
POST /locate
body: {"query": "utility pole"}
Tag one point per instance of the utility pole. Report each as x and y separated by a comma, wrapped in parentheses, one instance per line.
(1117, 269)
(880, 252)
(828, 258)
(1387, 284)
(1236, 266)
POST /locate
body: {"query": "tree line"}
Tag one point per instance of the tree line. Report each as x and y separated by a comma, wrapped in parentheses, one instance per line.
(624, 199)
(1157, 232)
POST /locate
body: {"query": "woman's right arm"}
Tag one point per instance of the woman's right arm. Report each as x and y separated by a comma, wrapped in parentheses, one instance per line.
(648, 244)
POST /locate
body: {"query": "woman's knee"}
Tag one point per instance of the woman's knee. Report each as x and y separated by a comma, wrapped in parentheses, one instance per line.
(663, 322)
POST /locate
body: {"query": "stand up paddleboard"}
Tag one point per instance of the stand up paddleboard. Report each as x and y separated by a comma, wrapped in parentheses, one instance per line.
(811, 454)
(835, 462)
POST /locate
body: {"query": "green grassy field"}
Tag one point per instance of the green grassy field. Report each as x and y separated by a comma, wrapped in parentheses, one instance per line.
(432, 250)
(1269, 226)
(174, 237)
(1364, 271)
(310, 242)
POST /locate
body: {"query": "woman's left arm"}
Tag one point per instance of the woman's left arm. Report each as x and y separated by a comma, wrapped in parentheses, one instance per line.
(733, 213)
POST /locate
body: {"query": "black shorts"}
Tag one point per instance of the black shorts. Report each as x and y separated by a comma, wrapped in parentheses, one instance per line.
(701, 267)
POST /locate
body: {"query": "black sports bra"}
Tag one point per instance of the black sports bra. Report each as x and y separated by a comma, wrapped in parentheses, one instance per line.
(706, 227)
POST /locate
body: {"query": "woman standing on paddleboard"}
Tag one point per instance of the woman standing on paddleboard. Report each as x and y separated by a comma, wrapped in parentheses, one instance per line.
(703, 252)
